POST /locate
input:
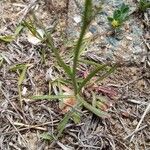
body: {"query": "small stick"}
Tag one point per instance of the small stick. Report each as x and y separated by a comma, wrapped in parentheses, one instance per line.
(137, 127)
(142, 118)
(27, 9)
(28, 127)
(135, 131)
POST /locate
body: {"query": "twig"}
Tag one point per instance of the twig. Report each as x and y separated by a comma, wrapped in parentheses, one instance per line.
(137, 127)
(13, 106)
(142, 118)
(147, 44)
(29, 127)
(125, 85)
(131, 82)
(12, 123)
(135, 131)
(27, 9)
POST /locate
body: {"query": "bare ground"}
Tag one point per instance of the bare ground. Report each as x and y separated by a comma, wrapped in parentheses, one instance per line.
(128, 126)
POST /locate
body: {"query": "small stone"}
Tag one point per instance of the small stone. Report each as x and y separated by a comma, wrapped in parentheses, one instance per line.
(24, 91)
(112, 41)
(77, 19)
(93, 29)
(129, 38)
(135, 122)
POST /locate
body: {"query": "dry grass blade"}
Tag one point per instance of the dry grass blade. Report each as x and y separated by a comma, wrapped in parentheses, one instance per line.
(142, 118)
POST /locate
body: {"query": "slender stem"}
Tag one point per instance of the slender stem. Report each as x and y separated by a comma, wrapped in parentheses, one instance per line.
(86, 21)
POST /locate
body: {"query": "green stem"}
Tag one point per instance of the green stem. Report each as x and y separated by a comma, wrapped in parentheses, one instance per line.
(86, 21)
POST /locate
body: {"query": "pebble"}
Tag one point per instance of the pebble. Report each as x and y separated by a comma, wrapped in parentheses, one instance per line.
(77, 19)
(129, 38)
(93, 29)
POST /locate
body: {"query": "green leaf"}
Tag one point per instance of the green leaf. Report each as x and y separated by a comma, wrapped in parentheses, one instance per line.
(88, 12)
(124, 9)
(50, 97)
(111, 70)
(46, 136)
(18, 29)
(63, 123)
(110, 19)
(7, 38)
(94, 110)
(143, 5)
(32, 29)
(17, 67)
(22, 76)
(76, 117)
(117, 14)
(87, 17)
(10, 38)
(59, 59)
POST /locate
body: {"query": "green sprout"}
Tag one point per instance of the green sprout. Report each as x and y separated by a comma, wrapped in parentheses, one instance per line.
(119, 16)
(143, 5)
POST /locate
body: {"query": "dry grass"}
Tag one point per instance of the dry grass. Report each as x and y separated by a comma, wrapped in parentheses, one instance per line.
(21, 128)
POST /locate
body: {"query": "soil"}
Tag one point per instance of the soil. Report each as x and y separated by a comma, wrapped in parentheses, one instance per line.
(127, 90)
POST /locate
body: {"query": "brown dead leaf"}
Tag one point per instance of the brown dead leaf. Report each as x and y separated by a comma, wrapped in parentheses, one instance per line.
(67, 103)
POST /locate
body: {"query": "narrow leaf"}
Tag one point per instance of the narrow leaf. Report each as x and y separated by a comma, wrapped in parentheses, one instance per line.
(111, 70)
(94, 110)
(7, 38)
(63, 123)
(91, 75)
(50, 97)
(18, 29)
(57, 55)
(46, 136)
(22, 76)
(110, 19)
(86, 20)
(17, 67)
(33, 29)
(76, 117)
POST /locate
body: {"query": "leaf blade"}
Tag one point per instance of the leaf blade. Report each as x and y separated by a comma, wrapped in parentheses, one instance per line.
(50, 97)
(94, 110)
(91, 75)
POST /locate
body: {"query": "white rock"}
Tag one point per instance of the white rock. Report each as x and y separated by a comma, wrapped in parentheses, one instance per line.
(24, 91)
(77, 19)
